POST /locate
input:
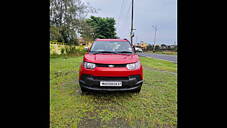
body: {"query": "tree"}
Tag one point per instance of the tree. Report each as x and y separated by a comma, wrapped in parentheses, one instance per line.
(87, 32)
(65, 19)
(101, 27)
(150, 47)
(157, 48)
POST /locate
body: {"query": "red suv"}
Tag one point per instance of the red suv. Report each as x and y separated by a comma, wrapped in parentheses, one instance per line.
(111, 65)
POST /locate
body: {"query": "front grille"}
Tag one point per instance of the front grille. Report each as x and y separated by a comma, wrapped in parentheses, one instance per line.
(109, 78)
(85, 76)
(107, 65)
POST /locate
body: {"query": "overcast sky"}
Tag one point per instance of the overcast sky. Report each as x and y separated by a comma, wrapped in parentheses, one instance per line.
(146, 13)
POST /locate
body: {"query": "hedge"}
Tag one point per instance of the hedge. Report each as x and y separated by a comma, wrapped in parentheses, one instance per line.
(58, 48)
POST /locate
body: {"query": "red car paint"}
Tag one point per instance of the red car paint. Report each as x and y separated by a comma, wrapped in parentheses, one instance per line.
(111, 58)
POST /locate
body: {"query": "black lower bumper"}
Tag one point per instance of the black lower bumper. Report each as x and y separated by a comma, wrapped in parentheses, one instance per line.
(90, 83)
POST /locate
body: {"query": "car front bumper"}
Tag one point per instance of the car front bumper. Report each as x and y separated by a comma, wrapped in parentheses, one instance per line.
(93, 83)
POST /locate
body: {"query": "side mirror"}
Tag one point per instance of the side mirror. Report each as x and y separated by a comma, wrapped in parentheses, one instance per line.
(86, 49)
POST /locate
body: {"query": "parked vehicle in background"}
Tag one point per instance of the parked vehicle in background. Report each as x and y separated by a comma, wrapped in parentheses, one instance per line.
(111, 65)
(138, 49)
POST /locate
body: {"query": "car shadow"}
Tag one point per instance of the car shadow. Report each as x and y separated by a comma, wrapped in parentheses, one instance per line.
(109, 93)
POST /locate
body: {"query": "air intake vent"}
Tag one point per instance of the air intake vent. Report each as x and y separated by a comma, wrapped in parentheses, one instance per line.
(109, 78)
(110, 65)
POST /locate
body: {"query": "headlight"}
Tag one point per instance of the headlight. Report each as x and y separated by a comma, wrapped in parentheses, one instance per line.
(89, 65)
(133, 66)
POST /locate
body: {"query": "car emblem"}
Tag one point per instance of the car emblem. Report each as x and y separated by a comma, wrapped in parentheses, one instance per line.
(111, 65)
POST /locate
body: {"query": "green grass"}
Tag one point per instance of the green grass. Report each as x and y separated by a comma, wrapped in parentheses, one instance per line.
(164, 52)
(158, 64)
(155, 106)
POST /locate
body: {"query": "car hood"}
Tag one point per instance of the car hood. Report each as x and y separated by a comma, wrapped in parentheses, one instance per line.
(111, 58)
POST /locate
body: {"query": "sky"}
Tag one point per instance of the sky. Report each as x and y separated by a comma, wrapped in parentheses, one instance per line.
(162, 13)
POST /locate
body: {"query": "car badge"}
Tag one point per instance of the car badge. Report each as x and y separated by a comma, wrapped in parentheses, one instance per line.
(111, 65)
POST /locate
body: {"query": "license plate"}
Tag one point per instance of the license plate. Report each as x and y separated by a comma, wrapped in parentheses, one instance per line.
(110, 83)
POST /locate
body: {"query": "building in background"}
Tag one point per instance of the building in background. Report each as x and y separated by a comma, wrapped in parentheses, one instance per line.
(85, 42)
(142, 45)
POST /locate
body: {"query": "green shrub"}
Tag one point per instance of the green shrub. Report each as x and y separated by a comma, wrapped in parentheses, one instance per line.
(57, 48)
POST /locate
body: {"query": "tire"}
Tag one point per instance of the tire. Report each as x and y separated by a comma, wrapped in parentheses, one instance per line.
(137, 90)
(83, 89)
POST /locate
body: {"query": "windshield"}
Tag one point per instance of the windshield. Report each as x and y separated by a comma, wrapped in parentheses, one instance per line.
(111, 47)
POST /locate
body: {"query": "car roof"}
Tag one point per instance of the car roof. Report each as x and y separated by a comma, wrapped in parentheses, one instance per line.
(112, 40)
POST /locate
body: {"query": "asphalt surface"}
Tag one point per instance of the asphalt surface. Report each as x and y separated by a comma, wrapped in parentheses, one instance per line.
(172, 58)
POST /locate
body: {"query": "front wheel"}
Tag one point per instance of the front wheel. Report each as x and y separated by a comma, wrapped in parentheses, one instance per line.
(137, 90)
(83, 89)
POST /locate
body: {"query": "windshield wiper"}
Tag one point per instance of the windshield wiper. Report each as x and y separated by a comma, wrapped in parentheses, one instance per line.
(124, 52)
(104, 52)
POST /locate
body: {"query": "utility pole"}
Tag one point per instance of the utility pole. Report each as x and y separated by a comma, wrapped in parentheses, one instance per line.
(155, 28)
(131, 33)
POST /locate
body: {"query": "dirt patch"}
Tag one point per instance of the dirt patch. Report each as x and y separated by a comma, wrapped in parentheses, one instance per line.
(97, 123)
(89, 123)
(117, 123)
(90, 120)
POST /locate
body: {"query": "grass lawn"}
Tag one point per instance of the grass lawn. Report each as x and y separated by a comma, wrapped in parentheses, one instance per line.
(155, 106)
(158, 64)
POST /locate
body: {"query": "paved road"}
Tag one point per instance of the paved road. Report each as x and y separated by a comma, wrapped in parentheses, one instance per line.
(172, 58)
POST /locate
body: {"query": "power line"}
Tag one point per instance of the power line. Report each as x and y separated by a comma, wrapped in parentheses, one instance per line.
(129, 7)
(124, 15)
(119, 16)
(124, 11)
(128, 12)
(122, 3)
(155, 28)
(125, 24)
